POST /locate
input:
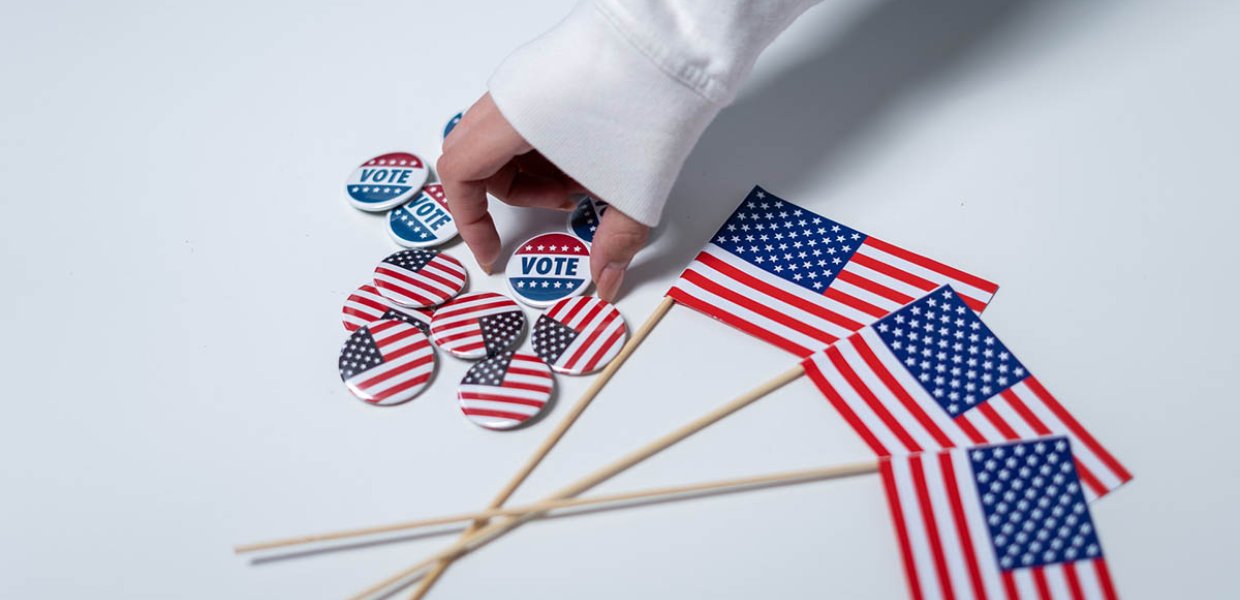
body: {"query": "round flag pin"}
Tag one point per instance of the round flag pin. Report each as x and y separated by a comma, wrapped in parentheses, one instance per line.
(579, 335)
(548, 268)
(386, 181)
(478, 324)
(366, 305)
(420, 278)
(505, 390)
(387, 362)
(452, 123)
(423, 221)
(583, 221)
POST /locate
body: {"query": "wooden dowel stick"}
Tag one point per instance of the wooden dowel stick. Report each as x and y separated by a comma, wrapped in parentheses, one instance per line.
(486, 534)
(659, 493)
(553, 438)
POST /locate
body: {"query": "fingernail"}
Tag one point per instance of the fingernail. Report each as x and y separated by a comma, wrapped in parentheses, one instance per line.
(609, 280)
(486, 268)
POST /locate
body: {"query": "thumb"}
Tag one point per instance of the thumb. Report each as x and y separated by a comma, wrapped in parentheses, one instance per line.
(615, 243)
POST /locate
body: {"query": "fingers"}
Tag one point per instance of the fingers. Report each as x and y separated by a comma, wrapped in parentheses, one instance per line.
(615, 243)
(480, 146)
(517, 187)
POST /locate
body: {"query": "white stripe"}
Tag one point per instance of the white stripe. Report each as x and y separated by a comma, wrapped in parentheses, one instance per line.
(989, 434)
(1013, 419)
(1056, 581)
(844, 310)
(1087, 574)
(962, 288)
(919, 394)
(886, 399)
(509, 407)
(945, 522)
(587, 305)
(884, 280)
(594, 345)
(723, 306)
(858, 405)
(1024, 583)
(421, 283)
(919, 544)
(402, 293)
(395, 365)
(866, 296)
(447, 268)
(979, 533)
(1079, 450)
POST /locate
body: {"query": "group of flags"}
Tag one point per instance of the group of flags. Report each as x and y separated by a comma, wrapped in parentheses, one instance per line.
(987, 475)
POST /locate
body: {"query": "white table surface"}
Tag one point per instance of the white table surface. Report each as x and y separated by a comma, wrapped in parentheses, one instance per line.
(176, 245)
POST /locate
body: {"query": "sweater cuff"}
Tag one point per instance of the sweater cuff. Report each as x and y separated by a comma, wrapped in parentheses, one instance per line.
(601, 110)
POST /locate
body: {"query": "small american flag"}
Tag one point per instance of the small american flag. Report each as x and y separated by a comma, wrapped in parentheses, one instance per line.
(579, 335)
(365, 306)
(505, 390)
(932, 375)
(387, 362)
(419, 278)
(478, 324)
(802, 281)
(1002, 521)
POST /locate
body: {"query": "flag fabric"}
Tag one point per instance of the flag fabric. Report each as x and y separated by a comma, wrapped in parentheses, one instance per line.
(365, 306)
(579, 335)
(505, 390)
(386, 362)
(932, 375)
(1002, 521)
(419, 278)
(478, 324)
(802, 281)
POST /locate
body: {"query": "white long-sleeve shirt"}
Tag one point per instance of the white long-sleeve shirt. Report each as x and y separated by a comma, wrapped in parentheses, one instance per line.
(619, 92)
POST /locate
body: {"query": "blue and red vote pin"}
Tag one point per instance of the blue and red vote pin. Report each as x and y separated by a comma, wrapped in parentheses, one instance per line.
(424, 221)
(548, 268)
(583, 221)
(386, 181)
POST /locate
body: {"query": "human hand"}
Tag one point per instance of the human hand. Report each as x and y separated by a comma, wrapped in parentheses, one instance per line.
(484, 154)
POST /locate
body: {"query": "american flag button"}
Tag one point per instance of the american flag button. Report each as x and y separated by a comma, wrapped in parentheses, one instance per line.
(424, 221)
(387, 362)
(506, 390)
(366, 305)
(478, 324)
(579, 335)
(452, 123)
(419, 278)
(386, 181)
(583, 221)
(548, 268)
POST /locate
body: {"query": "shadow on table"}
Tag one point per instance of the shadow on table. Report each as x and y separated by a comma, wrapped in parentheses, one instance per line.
(813, 111)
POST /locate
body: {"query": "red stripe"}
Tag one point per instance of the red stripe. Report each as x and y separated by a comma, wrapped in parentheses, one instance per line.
(395, 337)
(468, 309)
(368, 302)
(378, 328)
(585, 345)
(611, 341)
(483, 412)
(500, 398)
(529, 387)
(532, 372)
(1089, 478)
(416, 297)
(401, 387)
(420, 346)
(824, 386)
(765, 288)
(967, 427)
(417, 285)
(857, 303)
(962, 527)
(741, 324)
(442, 339)
(1077, 430)
(1074, 582)
(898, 390)
(571, 308)
(1009, 585)
(859, 386)
(873, 287)
(1039, 581)
(897, 517)
(988, 411)
(1104, 579)
(595, 308)
(401, 370)
(933, 265)
(766, 311)
(890, 271)
(932, 528)
(1019, 406)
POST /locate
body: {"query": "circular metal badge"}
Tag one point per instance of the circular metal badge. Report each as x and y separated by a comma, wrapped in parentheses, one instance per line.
(506, 390)
(420, 278)
(478, 324)
(386, 362)
(424, 221)
(386, 181)
(366, 305)
(579, 335)
(548, 268)
(584, 219)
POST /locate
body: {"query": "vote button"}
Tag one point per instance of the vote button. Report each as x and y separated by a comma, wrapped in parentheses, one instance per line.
(548, 268)
(424, 221)
(386, 181)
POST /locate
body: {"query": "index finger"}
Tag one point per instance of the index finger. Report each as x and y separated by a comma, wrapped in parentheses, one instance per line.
(480, 145)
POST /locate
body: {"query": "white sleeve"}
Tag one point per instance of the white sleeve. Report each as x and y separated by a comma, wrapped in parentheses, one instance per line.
(618, 93)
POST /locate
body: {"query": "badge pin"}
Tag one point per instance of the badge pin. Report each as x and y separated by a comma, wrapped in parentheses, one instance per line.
(366, 305)
(548, 268)
(420, 278)
(505, 390)
(579, 335)
(386, 181)
(584, 220)
(386, 362)
(424, 221)
(478, 324)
